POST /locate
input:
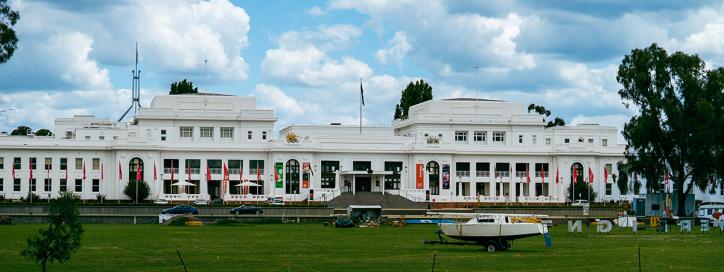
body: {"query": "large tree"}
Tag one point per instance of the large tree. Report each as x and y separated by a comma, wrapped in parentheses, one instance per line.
(415, 93)
(8, 39)
(539, 109)
(44, 132)
(21, 130)
(61, 238)
(183, 87)
(678, 124)
(143, 190)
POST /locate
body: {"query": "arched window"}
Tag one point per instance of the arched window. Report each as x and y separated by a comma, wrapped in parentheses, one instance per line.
(576, 192)
(433, 170)
(134, 165)
(292, 177)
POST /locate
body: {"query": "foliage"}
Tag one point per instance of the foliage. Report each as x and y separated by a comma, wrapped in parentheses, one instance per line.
(398, 112)
(44, 132)
(582, 191)
(32, 198)
(21, 130)
(539, 109)
(622, 181)
(415, 93)
(678, 127)
(183, 87)
(143, 190)
(61, 238)
(8, 39)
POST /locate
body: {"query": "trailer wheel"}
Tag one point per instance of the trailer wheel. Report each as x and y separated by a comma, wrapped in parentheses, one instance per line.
(491, 247)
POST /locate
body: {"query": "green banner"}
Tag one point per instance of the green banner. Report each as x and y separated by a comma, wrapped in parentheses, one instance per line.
(278, 175)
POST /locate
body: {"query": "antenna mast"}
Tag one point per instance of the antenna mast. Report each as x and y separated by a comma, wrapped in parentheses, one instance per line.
(135, 90)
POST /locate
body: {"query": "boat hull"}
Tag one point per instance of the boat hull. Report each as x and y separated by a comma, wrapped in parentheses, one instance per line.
(481, 232)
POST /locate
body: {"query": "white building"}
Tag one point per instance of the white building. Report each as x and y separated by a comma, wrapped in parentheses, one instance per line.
(455, 150)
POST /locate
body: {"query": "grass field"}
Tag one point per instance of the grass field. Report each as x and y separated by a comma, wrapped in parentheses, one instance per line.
(313, 247)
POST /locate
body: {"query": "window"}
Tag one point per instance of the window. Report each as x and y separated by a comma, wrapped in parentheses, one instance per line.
(499, 136)
(521, 170)
(96, 164)
(263, 135)
(2, 184)
(604, 142)
(256, 167)
(2, 163)
(235, 167)
(115, 137)
(207, 132)
(608, 188)
(482, 169)
(33, 163)
(17, 164)
(502, 169)
(16, 185)
(462, 169)
(534, 139)
(33, 185)
(548, 141)
(249, 135)
(609, 168)
(96, 186)
(79, 185)
(461, 136)
(292, 177)
(433, 170)
(543, 167)
(567, 140)
(328, 177)
(580, 140)
(392, 182)
(46, 185)
(78, 164)
(214, 166)
(163, 132)
(163, 138)
(590, 140)
(227, 132)
(63, 185)
(361, 165)
(87, 137)
(480, 136)
(101, 138)
(63, 164)
(186, 132)
(193, 165)
(520, 139)
(68, 134)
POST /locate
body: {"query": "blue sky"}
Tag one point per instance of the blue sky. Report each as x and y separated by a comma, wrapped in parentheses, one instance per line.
(305, 58)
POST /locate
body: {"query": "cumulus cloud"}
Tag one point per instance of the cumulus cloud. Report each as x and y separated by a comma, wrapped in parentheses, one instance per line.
(399, 46)
(302, 57)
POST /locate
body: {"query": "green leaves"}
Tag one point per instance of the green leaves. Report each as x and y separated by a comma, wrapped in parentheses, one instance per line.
(415, 93)
(8, 39)
(183, 87)
(143, 190)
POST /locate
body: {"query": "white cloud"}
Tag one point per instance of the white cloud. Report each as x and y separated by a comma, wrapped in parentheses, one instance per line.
(273, 97)
(399, 46)
(315, 11)
(72, 63)
(302, 58)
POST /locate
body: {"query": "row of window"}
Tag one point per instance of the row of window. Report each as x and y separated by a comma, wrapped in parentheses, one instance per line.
(215, 166)
(48, 165)
(46, 186)
(208, 133)
(499, 137)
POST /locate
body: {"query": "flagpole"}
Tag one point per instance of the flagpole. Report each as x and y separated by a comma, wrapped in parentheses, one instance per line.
(361, 96)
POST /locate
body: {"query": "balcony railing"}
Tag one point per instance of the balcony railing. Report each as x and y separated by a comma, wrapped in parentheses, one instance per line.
(462, 173)
(520, 174)
(502, 173)
(253, 171)
(234, 171)
(537, 174)
(168, 170)
(215, 170)
(193, 170)
(482, 173)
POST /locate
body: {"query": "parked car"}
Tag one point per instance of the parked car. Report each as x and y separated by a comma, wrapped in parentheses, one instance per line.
(161, 201)
(201, 201)
(580, 203)
(181, 209)
(246, 209)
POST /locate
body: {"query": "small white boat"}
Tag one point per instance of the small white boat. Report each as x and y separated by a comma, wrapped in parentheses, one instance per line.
(495, 231)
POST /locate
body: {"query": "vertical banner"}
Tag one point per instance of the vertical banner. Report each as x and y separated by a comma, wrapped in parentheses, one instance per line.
(419, 176)
(279, 168)
(445, 176)
(306, 168)
(225, 180)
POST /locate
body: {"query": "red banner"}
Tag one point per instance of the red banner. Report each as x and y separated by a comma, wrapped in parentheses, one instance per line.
(305, 178)
(419, 176)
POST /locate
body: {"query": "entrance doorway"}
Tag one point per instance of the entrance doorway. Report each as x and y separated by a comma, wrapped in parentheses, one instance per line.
(214, 188)
(363, 184)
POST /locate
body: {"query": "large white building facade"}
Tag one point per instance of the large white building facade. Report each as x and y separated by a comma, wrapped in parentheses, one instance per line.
(207, 146)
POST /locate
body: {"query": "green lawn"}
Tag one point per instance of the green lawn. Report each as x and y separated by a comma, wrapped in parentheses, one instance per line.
(313, 247)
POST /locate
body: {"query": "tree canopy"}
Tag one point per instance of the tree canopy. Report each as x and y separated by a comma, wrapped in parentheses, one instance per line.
(143, 190)
(21, 130)
(44, 132)
(183, 87)
(8, 39)
(678, 125)
(415, 93)
(61, 238)
(539, 109)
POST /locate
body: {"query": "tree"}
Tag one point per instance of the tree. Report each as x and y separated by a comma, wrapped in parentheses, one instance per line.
(143, 190)
(582, 190)
(398, 112)
(183, 87)
(415, 93)
(21, 130)
(543, 111)
(44, 132)
(678, 126)
(61, 238)
(622, 181)
(8, 40)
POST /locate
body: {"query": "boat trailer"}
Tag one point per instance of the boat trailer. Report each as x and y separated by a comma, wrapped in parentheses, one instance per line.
(491, 245)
